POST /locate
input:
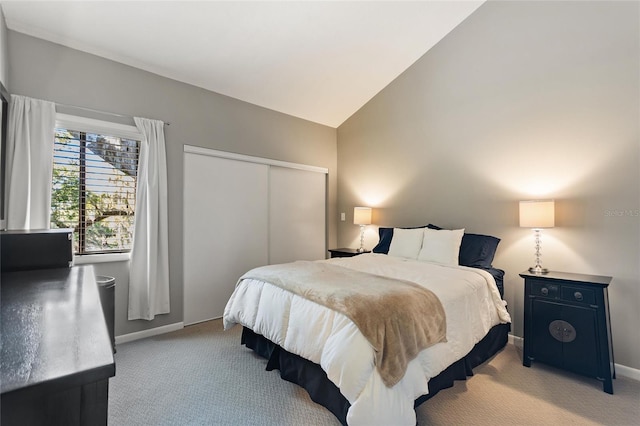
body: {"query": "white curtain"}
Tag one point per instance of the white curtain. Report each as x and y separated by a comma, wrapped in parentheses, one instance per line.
(149, 269)
(29, 163)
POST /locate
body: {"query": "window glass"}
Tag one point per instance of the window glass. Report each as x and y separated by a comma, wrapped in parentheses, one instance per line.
(94, 189)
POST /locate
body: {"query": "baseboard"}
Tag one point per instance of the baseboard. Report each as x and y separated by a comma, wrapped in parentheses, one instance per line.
(621, 370)
(515, 340)
(148, 333)
(631, 373)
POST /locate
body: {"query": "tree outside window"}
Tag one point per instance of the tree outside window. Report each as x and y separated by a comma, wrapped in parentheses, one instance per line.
(93, 190)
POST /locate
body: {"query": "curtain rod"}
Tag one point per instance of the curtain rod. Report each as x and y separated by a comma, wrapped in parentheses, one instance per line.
(100, 111)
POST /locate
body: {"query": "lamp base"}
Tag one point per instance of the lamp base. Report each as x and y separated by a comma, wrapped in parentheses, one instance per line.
(538, 270)
(361, 248)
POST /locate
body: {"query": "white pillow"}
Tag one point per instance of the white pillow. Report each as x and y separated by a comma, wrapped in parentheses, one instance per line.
(406, 242)
(441, 246)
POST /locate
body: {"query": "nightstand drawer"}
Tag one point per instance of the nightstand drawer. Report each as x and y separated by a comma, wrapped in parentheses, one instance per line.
(578, 294)
(544, 289)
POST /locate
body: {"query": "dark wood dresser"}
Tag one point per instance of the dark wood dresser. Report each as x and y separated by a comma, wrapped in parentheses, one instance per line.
(566, 324)
(56, 356)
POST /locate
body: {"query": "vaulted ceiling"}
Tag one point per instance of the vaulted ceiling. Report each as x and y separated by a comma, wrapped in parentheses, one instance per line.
(320, 61)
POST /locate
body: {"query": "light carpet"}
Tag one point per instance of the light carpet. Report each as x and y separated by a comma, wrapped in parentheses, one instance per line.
(201, 375)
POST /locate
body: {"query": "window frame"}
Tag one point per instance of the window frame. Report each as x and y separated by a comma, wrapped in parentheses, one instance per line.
(94, 126)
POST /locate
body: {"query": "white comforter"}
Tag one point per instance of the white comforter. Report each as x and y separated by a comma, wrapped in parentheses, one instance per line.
(472, 305)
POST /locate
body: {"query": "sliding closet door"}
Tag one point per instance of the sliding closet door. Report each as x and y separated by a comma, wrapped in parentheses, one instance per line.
(296, 215)
(225, 230)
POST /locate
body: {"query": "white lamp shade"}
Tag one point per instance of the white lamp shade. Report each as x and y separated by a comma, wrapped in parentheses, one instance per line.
(537, 214)
(362, 215)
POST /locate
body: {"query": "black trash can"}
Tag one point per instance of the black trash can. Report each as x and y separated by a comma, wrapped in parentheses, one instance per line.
(107, 289)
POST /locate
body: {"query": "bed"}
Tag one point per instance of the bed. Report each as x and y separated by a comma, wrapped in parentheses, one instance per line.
(333, 353)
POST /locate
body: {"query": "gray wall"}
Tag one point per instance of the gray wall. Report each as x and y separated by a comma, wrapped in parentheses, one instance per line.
(523, 100)
(3, 78)
(198, 117)
(3, 49)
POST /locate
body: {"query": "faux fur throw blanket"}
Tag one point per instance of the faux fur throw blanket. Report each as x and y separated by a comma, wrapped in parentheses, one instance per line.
(398, 318)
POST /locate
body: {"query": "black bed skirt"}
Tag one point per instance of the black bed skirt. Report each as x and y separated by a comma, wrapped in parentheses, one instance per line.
(313, 379)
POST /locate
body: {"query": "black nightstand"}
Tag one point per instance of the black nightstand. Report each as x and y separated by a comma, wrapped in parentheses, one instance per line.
(567, 325)
(346, 252)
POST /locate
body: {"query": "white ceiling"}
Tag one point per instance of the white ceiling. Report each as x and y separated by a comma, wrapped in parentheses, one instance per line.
(320, 61)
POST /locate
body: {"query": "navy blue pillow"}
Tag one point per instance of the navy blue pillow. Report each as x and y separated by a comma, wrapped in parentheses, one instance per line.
(386, 234)
(476, 250)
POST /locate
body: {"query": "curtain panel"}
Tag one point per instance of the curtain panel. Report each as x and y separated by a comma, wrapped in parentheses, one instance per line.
(29, 162)
(149, 267)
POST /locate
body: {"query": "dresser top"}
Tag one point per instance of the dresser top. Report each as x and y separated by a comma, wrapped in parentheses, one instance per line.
(53, 328)
(36, 231)
(569, 276)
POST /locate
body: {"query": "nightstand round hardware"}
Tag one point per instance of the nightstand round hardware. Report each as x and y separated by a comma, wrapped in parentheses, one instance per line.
(544, 291)
(578, 295)
(562, 331)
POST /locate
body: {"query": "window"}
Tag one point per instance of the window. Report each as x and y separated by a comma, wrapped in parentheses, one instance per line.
(94, 184)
